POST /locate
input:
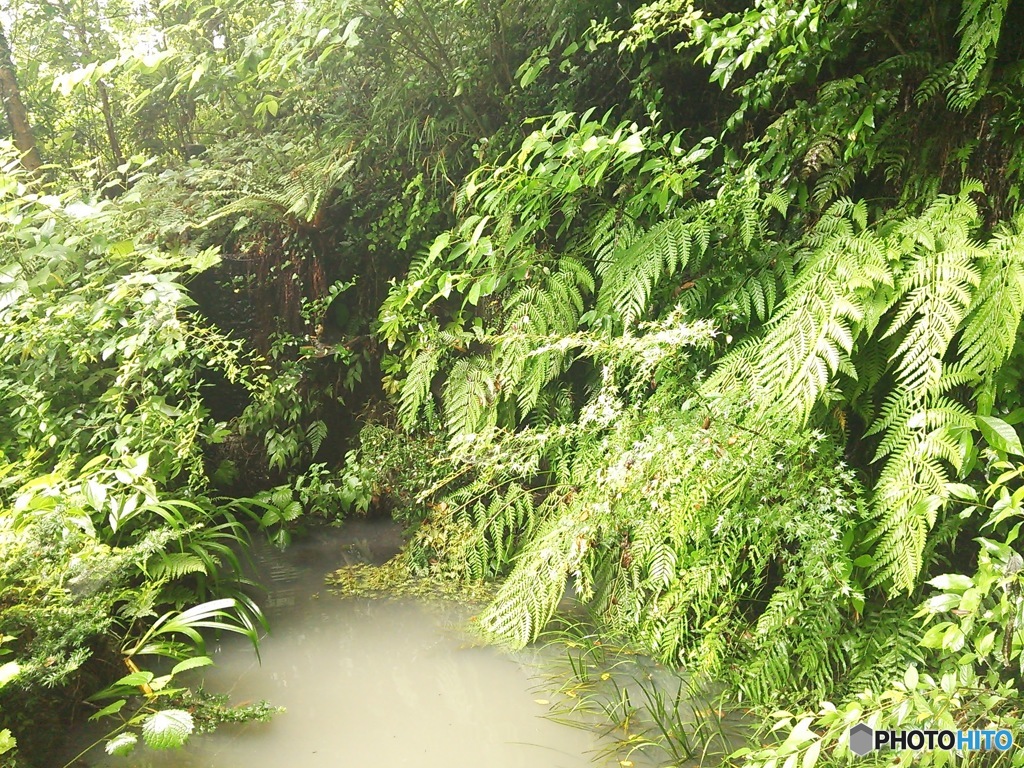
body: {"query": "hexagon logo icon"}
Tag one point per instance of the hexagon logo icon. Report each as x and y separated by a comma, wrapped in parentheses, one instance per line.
(862, 739)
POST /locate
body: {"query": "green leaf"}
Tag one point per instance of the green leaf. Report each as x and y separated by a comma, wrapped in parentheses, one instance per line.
(110, 709)
(985, 644)
(933, 637)
(999, 435)
(281, 497)
(121, 744)
(633, 145)
(942, 603)
(349, 35)
(193, 663)
(971, 600)
(167, 729)
(952, 582)
(811, 755)
(95, 493)
(7, 741)
(532, 70)
(474, 293)
(953, 640)
(122, 248)
(962, 491)
(910, 677)
(142, 677)
(8, 672)
(292, 512)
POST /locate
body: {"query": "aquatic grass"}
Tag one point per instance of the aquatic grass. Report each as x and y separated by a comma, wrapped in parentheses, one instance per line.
(644, 710)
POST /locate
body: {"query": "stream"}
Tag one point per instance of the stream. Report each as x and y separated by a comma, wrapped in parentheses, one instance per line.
(370, 682)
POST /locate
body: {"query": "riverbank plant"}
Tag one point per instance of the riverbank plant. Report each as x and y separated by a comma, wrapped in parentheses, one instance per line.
(109, 531)
(729, 389)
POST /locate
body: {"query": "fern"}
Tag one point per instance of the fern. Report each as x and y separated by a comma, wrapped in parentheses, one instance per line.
(174, 565)
(757, 296)
(693, 488)
(920, 441)
(882, 646)
(981, 22)
(937, 287)
(416, 387)
(935, 83)
(918, 421)
(471, 391)
(990, 331)
(836, 181)
(811, 336)
(496, 528)
(628, 278)
(301, 194)
(550, 308)
(315, 433)
(612, 233)
(530, 595)
(809, 658)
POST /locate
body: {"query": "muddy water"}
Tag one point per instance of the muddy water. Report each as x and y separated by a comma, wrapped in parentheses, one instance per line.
(376, 683)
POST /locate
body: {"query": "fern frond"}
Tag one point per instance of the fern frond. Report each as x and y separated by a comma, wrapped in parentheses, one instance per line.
(629, 277)
(811, 336)
(174, 565)
(470, 393)
(300, 193)
(908, 496)
(935, 83)
(756, 297)
(315, 434)
(990, 331)
(936, 289)
(921, 444)
(981, 22)
(836, 181)
(549, 308)
(528, 598)
(416, 387)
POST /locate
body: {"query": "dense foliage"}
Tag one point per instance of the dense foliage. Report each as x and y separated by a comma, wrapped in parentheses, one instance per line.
(708, 312)
(108, 531)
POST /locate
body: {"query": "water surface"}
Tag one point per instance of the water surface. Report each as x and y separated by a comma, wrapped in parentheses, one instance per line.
(379, 683)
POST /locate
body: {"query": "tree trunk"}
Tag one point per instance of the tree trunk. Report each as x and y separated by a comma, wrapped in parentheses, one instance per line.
(108, 121)
(87, 54)
(17, 117)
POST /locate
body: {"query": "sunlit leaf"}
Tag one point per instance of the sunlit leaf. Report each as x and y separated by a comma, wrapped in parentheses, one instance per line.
(167, 729)
(121, 744)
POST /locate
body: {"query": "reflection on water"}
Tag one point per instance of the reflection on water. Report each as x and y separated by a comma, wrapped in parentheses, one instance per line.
(375, 683)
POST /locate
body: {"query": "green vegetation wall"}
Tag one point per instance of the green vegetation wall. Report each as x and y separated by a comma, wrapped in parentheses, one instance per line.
(707, 310)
